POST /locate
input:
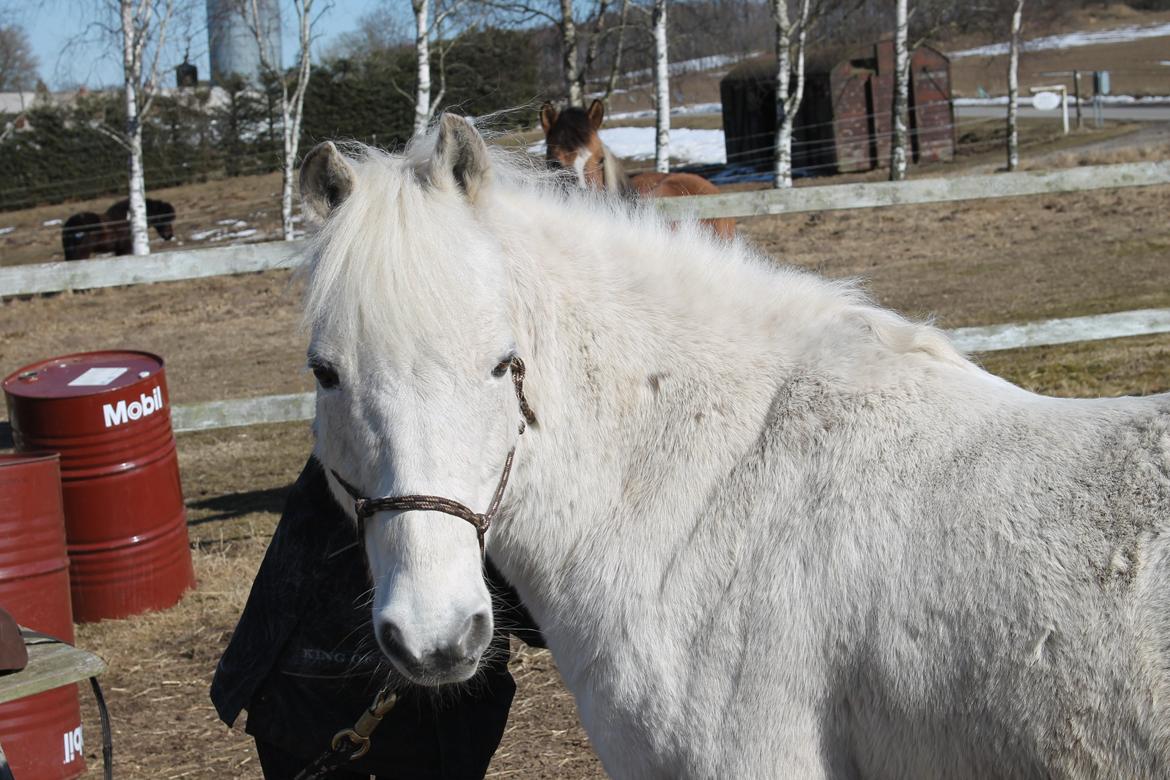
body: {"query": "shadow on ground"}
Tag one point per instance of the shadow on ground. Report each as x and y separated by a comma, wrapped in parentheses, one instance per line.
(229, 506)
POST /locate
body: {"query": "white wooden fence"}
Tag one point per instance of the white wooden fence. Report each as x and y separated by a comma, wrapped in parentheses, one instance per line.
(916, 191)
(191, 264)
(161, 267)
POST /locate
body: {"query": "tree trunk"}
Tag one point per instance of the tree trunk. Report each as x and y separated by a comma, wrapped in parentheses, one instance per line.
(898, 154)
(661, 90)
(288, 172)
(292, 107)
(569, 55)
(1014, 89)
(611, 84)
(790, 45)
(422, 100)
(132, 71)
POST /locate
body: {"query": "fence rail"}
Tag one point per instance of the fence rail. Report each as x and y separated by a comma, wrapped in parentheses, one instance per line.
(219, 261)
(160, 267)
(916, 191)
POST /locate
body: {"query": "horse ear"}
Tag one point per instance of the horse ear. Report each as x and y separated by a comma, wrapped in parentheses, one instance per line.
(326, 179)
(461, 152)
(596, 114)
(548, 117)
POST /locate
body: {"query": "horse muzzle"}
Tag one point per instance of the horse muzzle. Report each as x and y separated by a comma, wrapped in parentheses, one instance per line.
(437, 660)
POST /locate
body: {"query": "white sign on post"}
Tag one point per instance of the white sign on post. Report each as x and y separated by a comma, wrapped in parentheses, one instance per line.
(1045, 101)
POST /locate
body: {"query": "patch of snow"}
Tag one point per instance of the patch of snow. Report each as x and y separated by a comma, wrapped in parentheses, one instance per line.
(1070, 40)
(686, 145)
(51, 222)
(220, 234)
(6, 230)
(696, 109)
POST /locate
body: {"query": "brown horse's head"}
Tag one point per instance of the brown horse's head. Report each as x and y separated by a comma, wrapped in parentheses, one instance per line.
(573, 143)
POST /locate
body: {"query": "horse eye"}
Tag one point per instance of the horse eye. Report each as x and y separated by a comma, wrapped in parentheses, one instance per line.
(326, 374)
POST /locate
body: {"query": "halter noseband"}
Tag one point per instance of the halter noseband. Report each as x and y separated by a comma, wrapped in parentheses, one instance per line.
(365, 507)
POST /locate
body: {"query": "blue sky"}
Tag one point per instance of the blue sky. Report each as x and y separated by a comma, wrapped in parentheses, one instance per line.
(52, 24)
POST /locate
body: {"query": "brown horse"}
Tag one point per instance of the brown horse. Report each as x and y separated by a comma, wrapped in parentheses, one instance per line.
(87, 234)
(572, 142)
(160, 215)
(84, 235)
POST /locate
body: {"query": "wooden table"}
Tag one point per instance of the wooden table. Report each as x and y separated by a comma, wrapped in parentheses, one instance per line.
(51, 664)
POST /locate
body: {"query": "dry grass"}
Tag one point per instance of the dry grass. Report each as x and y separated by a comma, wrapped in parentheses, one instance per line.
(1131, 366)
(1107, 156)
(1134, 64)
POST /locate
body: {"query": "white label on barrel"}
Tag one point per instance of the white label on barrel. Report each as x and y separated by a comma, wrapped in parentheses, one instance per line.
(123, 412)
(74, 745)
(98, 377)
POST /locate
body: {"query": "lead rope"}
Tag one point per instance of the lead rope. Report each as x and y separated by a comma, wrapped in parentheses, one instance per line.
(353, 743)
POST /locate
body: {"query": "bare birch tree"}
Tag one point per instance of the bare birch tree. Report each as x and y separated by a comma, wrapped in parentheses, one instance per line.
(422, 49)
(661, 90)
(293, 85)
(569, 56)
(144, 28)
(589, 31)
(1013, 150)
(616, 65)
(901, 138)
(791, 37)
(425, 29)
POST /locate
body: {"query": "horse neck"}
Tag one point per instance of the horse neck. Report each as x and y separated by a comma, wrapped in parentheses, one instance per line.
(612, 398)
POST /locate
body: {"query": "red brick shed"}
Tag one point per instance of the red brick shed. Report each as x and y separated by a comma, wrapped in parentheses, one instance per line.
(845, 122)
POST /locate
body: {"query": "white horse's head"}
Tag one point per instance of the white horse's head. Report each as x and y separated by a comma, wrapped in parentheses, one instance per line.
(408, 305)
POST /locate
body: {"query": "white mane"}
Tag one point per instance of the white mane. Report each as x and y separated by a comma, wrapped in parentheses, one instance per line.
(596, 243)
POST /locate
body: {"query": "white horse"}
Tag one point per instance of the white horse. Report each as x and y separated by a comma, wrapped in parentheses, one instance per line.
(769, 529)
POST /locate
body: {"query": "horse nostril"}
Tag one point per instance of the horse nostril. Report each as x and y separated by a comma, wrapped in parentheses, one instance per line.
(390, 638)
(477, 634)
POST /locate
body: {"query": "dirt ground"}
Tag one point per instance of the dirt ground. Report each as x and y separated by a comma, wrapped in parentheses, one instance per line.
(1133, 65)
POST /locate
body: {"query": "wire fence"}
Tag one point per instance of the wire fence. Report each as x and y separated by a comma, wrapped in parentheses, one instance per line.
(258, 218)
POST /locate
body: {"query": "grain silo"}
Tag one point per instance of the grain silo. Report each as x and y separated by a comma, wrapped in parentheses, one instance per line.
(231, 43)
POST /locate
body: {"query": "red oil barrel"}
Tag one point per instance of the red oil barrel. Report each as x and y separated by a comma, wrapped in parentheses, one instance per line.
(41, 734)
(108, 415)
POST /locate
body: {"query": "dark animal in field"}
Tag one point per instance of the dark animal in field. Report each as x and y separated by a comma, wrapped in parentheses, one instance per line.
(159, 214)
(87, 234)
(83, 235)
